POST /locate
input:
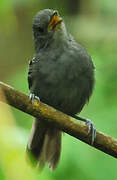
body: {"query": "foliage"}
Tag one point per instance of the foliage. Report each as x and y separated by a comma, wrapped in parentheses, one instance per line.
(78, 160)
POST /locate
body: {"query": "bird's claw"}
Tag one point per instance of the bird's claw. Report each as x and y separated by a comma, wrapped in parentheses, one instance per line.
(92, 129)
(32, 96)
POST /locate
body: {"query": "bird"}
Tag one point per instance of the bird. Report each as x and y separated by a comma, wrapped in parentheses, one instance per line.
(61, 74)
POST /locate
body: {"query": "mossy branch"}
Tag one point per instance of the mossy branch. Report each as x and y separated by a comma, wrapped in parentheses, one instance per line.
(54, 117)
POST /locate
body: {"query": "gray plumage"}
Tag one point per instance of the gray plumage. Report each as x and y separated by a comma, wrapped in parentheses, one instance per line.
(61, 74)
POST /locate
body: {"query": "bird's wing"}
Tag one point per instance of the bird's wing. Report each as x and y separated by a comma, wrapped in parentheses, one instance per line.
(30, 70)
(29, 74)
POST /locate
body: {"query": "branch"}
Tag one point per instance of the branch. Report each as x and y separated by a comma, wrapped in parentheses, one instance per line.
(54, 117)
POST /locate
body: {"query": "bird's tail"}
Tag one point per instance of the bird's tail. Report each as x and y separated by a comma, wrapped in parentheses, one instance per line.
(44, 145)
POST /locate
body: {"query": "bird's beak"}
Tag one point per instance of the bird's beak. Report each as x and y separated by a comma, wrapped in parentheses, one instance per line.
(54, 21)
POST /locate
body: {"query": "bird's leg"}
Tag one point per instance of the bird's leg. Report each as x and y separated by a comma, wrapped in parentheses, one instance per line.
(32, 96)
(91, 127)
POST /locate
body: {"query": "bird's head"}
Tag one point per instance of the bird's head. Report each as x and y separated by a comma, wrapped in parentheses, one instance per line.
(47, 25)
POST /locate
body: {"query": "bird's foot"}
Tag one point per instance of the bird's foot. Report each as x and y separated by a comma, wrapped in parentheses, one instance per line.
(32, 96)
(91, 128)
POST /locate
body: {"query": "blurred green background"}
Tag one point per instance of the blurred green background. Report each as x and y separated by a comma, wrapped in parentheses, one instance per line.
(93, 23)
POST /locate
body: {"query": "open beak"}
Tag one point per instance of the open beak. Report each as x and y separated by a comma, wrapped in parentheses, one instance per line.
(54, 21)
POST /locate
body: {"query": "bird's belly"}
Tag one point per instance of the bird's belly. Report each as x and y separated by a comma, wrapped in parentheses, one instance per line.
(59, 91)
(66, 99)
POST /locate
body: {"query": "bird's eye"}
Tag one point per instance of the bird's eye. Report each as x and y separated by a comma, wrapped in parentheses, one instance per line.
(40, 29)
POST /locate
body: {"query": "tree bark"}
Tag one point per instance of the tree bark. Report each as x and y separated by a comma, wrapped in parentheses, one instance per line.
(54, 117)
